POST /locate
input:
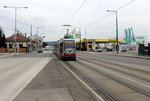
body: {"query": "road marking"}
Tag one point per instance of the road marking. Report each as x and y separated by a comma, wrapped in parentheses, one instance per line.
(41, 65)
(90, 89)
(126, 78)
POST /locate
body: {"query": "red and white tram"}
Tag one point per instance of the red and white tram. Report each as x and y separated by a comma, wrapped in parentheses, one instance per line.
(65, 49)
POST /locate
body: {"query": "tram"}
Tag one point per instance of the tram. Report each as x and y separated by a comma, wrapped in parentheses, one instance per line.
(65, 49)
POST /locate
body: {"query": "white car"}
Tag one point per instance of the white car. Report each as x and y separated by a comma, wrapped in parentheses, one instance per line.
(47, 48)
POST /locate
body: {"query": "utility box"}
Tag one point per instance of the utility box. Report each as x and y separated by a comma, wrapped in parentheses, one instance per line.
(141, 49)
(148, 49)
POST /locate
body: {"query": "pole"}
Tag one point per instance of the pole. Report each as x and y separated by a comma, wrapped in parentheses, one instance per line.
(37, 37)
(86, 40)
(30, 37)
(117, 45)
(67, 32)
(80, 39)
(15, 24)
(15, 30)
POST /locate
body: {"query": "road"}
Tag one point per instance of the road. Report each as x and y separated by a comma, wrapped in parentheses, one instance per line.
(122, 78)
(17, 71)
(127, 60)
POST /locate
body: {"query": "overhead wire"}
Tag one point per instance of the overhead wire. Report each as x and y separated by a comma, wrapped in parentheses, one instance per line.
(17, 21)
(110, 13)
(77, 11)
(99, 19)
(125, 5)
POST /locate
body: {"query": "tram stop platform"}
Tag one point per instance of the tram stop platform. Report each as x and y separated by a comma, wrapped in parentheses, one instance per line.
(54, 83)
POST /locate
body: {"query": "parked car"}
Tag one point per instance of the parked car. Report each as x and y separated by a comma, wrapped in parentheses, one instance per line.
(39, 50)
(47, 47)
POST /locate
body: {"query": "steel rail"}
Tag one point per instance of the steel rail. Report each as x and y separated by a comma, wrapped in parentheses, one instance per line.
(91, 82)
(117, 69)
(136, 69)
(123, 83)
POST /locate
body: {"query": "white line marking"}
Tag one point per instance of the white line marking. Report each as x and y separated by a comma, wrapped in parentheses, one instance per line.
(125, 77)
(42, 65)
(90, 89)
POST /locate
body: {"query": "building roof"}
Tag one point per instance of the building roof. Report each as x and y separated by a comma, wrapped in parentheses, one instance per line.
(19, 37)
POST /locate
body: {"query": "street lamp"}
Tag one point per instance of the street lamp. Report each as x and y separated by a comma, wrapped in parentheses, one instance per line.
(15, 22)
(37, 34)
(117, 45)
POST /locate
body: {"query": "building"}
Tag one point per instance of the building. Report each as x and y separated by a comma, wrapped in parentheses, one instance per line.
(22, 43)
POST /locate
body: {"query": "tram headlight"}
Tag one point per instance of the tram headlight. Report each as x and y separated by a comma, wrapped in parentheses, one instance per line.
(66, 52)
(72, 52)
(69, 52)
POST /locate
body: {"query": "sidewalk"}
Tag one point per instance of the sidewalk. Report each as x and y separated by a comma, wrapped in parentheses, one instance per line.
(4, 55)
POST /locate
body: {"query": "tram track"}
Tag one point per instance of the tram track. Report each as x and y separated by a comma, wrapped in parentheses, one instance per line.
(116, 79)
(97, 86)
(136, 74)
(147, 71)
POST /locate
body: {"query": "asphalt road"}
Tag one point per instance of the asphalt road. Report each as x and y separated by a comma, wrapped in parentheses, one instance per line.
(54, 83)
(116, 74)
(128, 60)
(38, 77)
(17, 71)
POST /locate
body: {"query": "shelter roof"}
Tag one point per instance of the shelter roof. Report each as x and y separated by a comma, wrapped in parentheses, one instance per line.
(100, 40)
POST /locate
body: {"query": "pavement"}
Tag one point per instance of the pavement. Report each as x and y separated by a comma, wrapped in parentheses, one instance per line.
(2, 55)
(123, 54)
(54, 83)
(5, 55)
(16, 72)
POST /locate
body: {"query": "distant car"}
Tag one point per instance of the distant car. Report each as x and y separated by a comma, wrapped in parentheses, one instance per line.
(101, 49)
(47, 47)
(43, 49)
(39, 50)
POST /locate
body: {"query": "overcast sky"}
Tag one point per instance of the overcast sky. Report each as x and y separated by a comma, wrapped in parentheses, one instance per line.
(52, 14)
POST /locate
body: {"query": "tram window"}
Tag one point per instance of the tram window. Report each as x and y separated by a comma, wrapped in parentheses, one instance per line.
(61, 47)
(69, 45)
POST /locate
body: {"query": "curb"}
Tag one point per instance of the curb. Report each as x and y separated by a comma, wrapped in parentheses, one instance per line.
(85, 86)
(5, 56)
(9, 55)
